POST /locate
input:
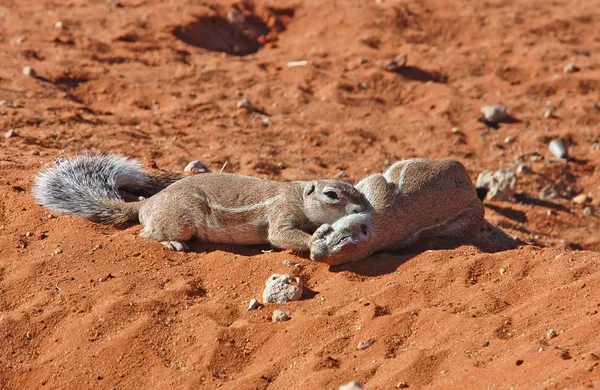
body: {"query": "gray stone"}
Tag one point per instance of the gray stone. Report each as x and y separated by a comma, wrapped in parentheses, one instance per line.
(282, 288)
(280, 316)
(364, 344)
(548, 193)
(196, 166)
(494, 113)
(501, 184)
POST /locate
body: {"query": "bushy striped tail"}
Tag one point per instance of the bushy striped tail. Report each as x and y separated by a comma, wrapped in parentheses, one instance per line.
(88, 186)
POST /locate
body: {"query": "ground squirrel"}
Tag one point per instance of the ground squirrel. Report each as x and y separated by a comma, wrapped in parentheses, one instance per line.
(215, 207)
(414, 198)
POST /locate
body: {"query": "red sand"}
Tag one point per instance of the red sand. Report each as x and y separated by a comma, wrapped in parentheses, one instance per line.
(84, 305)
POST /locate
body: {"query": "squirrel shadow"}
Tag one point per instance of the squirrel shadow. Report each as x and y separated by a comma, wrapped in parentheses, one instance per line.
(383, 263)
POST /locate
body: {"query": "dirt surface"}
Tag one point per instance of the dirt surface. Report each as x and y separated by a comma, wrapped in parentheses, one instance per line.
(90, 306)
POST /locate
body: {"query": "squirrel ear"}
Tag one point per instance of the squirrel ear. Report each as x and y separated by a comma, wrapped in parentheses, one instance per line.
(310, 188)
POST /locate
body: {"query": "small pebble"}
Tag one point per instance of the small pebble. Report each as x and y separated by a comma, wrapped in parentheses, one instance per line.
(550, 334)
(519, 362)
(58, 25)
(289, 263)
(570, 68)
(364, 344)
(547, 112)
(57, 251)
(580, 199)
(196, 166)
(245, 103)
(587, 211)
(28, 71)
(282, 288)
(396, 64)
(494, 113)
(402, 385)
(266, 121)
(523, 169)
(502, 271)
(29, 234)
(541, 349)
(236, 17)
(280, 316)
(11, 133)
(486, 344)
(548, 193)
(254, 304)
(509, 140)
(354, 385)
(558, 149)
(341, 174)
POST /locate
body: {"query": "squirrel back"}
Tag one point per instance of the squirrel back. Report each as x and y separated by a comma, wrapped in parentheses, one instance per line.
(92, 187)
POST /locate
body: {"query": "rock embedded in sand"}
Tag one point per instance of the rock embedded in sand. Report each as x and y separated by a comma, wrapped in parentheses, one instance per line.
(402, 385)
(254, 304)
(550, 334)
(282, 288)
(290, 263)
(501, 184)
(280, 316)
(587, 212)
(364, 344)
(354, 385)
(494, 113)
(558, 149)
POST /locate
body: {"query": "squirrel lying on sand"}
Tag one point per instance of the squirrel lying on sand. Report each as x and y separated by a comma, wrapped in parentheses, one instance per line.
(414, 198)
(215, 207)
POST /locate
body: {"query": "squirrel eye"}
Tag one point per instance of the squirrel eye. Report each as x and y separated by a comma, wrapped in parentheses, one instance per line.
(331, 195)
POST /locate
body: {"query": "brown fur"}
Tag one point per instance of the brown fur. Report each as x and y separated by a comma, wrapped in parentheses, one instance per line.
(414, 198)
(236, 209)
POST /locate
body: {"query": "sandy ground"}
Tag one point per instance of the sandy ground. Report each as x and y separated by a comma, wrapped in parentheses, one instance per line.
(90, 306)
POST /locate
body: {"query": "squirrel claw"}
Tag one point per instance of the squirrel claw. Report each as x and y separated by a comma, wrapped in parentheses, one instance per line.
(177, 246)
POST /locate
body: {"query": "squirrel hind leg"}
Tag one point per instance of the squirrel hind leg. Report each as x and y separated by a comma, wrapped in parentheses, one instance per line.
(177, 246)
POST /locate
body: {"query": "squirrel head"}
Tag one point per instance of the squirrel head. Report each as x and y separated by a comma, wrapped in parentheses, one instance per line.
(344, 241)
(326, 201)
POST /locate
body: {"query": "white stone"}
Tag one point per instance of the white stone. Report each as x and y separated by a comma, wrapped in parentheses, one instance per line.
(354, 385)
(494, 113)
(282, 288)
(558, 149)
(254, 304)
